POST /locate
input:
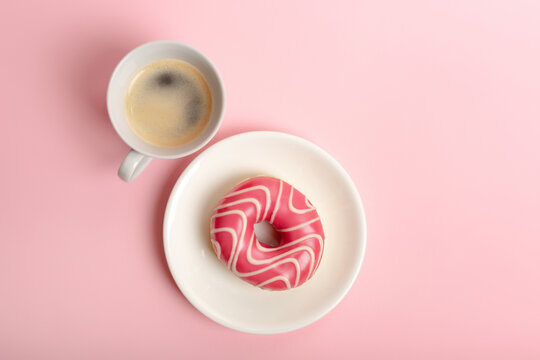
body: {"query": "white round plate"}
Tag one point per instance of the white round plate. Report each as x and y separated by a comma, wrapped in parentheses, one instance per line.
(209, 285)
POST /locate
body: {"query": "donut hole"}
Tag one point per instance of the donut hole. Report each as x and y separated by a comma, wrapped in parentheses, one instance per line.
(267, 234)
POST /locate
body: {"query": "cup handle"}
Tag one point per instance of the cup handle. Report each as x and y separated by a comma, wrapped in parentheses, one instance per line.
(133, 165)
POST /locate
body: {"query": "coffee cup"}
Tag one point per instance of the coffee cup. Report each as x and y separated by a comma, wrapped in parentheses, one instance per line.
(144, 149)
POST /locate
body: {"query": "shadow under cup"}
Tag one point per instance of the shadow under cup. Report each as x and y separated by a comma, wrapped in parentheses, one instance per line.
(131, 64)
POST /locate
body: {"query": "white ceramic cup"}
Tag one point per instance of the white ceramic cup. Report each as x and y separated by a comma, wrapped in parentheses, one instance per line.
(142, 152)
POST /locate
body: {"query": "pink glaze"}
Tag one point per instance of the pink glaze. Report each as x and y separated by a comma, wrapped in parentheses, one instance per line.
(300, 249)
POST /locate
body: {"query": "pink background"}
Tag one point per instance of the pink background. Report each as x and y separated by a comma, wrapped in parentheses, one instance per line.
(431, 106)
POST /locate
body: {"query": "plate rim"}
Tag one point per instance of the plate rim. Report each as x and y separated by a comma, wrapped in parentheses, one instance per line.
(167, 223)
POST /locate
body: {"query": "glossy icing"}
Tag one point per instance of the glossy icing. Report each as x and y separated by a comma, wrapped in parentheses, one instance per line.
(264, 198)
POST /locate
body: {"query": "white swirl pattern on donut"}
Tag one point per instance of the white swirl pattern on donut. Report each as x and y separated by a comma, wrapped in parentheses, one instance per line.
(299, 211)
(299, 252)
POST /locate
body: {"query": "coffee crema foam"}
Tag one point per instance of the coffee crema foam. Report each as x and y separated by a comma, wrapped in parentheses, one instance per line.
(168, 103)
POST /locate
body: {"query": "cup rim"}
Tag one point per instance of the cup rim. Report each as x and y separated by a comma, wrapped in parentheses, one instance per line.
(220, 87)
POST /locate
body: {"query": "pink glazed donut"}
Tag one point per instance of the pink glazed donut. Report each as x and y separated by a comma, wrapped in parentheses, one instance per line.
(298, 254)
